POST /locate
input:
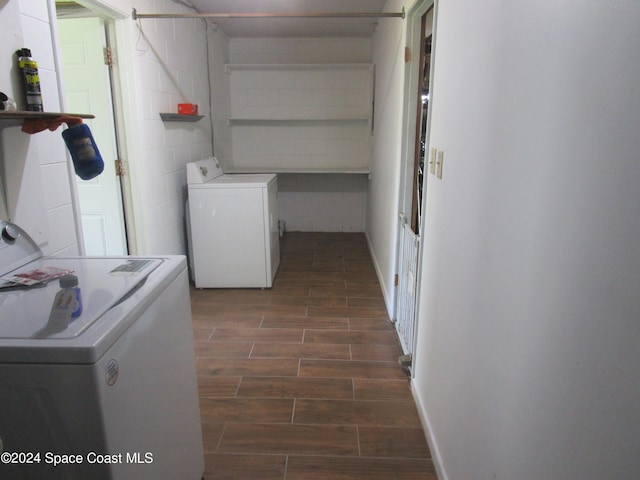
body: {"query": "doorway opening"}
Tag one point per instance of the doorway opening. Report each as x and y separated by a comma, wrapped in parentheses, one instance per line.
(411, 228)
(422, 112)
(85, 58)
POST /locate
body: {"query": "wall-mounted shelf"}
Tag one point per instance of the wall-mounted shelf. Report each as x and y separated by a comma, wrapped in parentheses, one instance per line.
(12, 119)
(176, 117)
(21, 115)
(297, 66)
(294, 121)
(347, 171)
(306, 118)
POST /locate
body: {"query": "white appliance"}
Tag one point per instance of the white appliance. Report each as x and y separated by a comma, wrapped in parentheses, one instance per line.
(113, 394)
(233, 227)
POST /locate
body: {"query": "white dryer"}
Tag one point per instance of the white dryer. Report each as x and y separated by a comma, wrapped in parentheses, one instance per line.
(233, 227)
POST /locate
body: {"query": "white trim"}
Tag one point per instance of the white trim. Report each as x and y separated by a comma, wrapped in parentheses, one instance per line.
(376, 266)
(436, 457)
(127, 112)
(103, 9)
(75, 201)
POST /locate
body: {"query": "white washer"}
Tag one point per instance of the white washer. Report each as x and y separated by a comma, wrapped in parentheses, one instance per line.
(114, 392)
(233, 227)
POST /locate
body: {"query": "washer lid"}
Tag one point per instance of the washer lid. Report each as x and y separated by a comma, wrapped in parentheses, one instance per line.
(103, 282)
(242, 180)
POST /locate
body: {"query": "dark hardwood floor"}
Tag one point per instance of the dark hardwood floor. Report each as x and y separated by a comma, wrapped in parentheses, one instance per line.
(302, 381)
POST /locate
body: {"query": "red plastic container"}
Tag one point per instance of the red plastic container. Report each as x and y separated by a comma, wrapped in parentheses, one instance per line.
(187, 109)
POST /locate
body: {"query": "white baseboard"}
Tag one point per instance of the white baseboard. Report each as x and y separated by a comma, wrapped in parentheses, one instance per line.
(436, 457)
(388, 300)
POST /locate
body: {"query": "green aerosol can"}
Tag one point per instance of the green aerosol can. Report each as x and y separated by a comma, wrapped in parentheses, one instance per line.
(30, 80)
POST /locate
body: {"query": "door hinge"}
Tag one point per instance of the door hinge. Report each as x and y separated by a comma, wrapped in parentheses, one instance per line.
(395, 280)
(108, 57)
(119, 168)
(407, 54)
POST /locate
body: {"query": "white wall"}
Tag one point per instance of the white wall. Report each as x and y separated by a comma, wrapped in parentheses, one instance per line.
(527, 362)
(322, 202)
(280, 94)
(383, 192)
(35, 171)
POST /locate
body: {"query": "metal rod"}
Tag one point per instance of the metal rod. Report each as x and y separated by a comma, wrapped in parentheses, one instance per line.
(135, 15)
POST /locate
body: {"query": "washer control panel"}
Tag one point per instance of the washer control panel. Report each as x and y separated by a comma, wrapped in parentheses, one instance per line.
(16, 247)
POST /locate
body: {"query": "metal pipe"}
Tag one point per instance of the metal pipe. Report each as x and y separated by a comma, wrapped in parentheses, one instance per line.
(135, 15)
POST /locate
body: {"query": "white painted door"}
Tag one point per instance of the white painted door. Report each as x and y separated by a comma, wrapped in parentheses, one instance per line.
(88, 89)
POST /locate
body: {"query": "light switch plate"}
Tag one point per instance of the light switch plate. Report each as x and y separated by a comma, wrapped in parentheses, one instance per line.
(432, 160)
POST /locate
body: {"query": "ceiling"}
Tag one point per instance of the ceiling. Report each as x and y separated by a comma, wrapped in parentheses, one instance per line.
(292, 27)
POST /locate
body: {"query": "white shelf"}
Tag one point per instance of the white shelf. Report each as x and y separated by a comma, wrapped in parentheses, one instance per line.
(297, 66)
(319, 98)
(178, 117)
(347, 171)
(22, 115)
(294, 121)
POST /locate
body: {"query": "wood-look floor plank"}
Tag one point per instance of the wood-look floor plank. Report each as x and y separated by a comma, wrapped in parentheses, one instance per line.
(279, 335)
(381, 324)
(218, 386)
(351, 337)
(294, 291)
(223, 349)
(211, 435)
(383, 353)
(378, 389)
(355, 291)
(259, 310)
(307, 300)
(350, 369)
(217, 321)
(391, 442)
(316, 323)
(246, 410)
(366, 302)
(358, 468)
(346, 312)
(201, 334)
(289, 439)
(245, 296)
(277, 367)
(244, 467)
(304, 350)
(356, 412)
(296, 387)
(310, 283)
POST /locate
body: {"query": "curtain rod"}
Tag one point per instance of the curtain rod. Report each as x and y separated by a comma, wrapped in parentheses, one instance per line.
(135, 15)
